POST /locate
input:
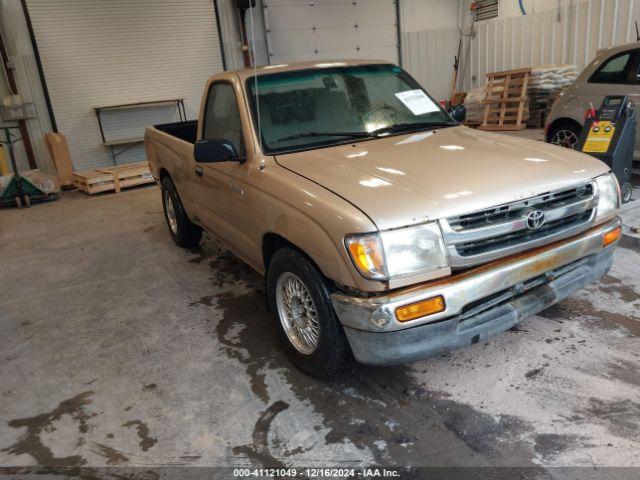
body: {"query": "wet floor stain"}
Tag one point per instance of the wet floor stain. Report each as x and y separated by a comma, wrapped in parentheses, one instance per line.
(624, 371)
(481, 432)
(206, 300)
(621, 416)
(549, 445)
(630, 243)
(199, 255)
(611, 284)
(30, 442)
(113, 456)
(259, 451)
(227, 270)
(533, 373)
(574, 308)
(252, 306)
(146, 442)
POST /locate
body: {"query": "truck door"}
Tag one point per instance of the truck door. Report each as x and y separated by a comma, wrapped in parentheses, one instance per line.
(218, 193)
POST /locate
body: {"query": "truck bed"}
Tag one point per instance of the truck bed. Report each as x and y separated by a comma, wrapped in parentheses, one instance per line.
(186, 131)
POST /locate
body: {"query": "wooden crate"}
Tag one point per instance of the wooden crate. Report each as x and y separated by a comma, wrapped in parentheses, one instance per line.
(506, 105)
(113, 178)
(93, 181)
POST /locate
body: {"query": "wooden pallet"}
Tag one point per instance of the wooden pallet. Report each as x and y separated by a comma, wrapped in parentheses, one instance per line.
(112, 178)
(506, 102)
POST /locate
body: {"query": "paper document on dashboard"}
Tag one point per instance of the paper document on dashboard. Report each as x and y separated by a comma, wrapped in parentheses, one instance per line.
(417, 101)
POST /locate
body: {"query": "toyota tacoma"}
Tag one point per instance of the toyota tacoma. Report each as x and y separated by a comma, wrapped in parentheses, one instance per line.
(386, 231)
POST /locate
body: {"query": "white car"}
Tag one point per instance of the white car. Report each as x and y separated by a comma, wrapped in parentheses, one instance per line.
(614, 71)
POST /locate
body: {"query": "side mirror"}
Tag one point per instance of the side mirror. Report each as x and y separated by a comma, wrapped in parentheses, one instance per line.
(209, 151)
(458, 113)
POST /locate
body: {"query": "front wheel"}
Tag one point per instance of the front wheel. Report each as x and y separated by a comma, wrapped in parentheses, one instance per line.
(565, 136)
(300, 304)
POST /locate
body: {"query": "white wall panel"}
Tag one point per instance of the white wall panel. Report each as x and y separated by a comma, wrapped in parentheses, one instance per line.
(429, 35)
(570, 33)
(299, 30)
(428, 57)
(99, 52)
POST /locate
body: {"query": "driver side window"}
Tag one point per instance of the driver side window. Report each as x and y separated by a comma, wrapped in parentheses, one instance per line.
(614, 70)
(222, 118)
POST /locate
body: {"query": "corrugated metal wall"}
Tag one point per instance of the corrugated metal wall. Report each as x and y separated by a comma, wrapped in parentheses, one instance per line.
(572, 33)
(428, 56)
(97, 53)
(429, 35)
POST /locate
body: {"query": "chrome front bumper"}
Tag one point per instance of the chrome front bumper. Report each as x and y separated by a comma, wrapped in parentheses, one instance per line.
(480, 302)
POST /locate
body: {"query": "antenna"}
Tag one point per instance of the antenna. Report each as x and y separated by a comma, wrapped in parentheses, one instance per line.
(255, 84)
(637, 34)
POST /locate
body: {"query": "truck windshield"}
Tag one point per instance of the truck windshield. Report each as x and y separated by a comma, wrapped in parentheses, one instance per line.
(307, 109)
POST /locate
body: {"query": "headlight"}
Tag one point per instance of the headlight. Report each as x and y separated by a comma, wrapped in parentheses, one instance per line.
(608, 197)
(398, 253)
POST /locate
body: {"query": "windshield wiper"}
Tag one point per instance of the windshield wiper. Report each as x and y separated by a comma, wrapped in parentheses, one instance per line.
(397, 127)
(401, 127)
(325, 134)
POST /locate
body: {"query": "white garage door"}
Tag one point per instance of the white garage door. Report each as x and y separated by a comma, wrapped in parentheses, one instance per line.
(99, 53)
(299, 30)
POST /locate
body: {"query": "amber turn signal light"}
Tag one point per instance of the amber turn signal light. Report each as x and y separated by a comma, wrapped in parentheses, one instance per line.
(611, 236)
(420, 309)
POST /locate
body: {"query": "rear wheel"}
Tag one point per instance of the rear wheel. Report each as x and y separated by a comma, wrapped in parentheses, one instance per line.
(184, 232)
(565, 135)
(300, 304)
(626, 191)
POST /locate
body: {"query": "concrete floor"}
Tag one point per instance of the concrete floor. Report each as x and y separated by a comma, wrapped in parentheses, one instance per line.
(121, 349)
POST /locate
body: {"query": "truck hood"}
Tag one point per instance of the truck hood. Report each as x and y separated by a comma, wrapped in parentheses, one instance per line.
(408, 179)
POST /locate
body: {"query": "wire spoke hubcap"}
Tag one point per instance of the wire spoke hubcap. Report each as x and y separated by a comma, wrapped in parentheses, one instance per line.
(297, 313)
(170, 212)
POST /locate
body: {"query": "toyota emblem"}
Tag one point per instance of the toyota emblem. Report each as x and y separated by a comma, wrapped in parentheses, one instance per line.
(534, 219)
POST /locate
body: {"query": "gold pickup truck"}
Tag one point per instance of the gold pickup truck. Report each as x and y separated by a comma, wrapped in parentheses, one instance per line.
(386, 231)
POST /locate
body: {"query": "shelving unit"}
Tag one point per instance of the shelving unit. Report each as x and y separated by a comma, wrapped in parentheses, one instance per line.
(127, 143)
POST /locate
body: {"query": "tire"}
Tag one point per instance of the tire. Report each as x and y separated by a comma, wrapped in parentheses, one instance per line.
(184, 233)
(330, 352)
(626, 192)
(565, 135)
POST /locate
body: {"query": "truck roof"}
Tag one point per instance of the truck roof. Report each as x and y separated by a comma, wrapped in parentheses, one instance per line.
(288, 67)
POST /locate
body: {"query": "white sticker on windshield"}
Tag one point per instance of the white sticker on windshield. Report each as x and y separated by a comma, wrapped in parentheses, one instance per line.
(417, 101)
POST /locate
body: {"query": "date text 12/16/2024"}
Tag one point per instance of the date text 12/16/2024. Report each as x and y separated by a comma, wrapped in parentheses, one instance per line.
(316, 472)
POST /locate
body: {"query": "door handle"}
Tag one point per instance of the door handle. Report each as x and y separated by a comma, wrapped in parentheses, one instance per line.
(199, 171)
(236, 189)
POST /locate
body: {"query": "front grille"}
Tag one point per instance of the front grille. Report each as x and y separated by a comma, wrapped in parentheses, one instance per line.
(511, 211)
(522, 236)
(496, 232)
